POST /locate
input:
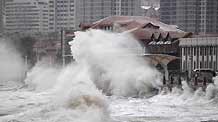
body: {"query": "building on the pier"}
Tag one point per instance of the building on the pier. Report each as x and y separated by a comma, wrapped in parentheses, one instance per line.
(47, 49)
(199, 52)
(161, 41)
(157, 37)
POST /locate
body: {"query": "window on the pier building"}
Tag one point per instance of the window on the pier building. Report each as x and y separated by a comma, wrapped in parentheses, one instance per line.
(184, 65)
(184, 51)
(205, 51)
(188, 49)
(214, 50)
(210, 64)
(201, 50)
(211, 50)
(194, 64)
(201, 66)
(194, 51)
(191, 51)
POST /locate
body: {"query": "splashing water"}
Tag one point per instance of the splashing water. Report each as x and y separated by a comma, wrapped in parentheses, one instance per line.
(11, 62)
(114, 63)
(42, 76)
(104, 61)
(111, 64)
(11, 65)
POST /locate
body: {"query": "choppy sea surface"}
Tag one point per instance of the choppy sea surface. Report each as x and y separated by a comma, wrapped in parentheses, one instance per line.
(24, 105)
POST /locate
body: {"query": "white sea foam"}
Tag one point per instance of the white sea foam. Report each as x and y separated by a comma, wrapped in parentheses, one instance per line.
(115, 63)
(11, 63)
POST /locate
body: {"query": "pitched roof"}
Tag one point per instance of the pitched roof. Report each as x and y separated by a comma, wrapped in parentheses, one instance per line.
(138, 20)
(141, 27)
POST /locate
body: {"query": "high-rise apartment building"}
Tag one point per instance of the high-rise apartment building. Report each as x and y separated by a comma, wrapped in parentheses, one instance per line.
(197, 16)
(61, 14)
(168, 11)
(89, 11)
(26, 16)
(2, 5)
(69, 14)
(54, 15)
(126, 7)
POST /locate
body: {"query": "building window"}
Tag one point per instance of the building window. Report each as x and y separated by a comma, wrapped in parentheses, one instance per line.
(188, 50)
(195, 51)
(183, 49)
(214, 50)
(211, 50)
(205, 51)
(210, 64)
(201, 51)
(184, 65)
(191, 51)
(194, 64)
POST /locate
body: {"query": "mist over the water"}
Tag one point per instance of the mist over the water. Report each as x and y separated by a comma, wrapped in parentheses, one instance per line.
(11, 63)
(43, 76)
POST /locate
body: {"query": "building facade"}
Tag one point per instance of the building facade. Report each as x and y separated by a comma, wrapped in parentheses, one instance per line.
(2, 5)
(69, 14)
(126, 7)
(61, 15)
(168, 11)
(54, 15)
(197, 16)
(199, 52)
(89, 11)
(26, 16)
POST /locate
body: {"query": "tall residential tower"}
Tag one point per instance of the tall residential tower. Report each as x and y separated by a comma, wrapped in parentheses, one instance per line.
(89, 11)
(61, 14)
(2, 5)
(54, 15)
(26, 16)
(197, 16)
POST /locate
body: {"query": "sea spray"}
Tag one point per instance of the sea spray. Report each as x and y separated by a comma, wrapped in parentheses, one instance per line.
(115, 62)
(105, 62)
(212, 89)
(43, 76)
(72, 96)
(74, 90)
(11, 63)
